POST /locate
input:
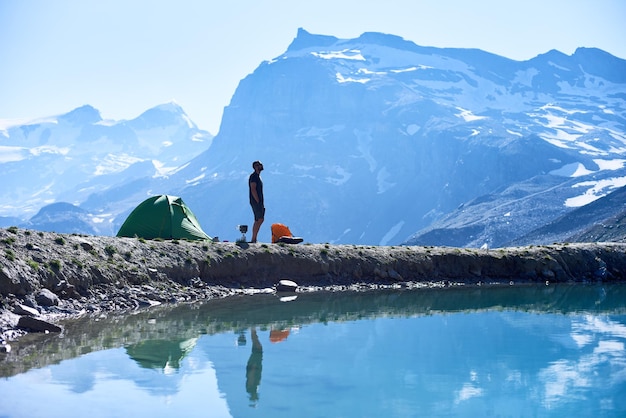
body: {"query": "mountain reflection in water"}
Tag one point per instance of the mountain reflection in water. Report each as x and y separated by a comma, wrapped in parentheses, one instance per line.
(522, 350)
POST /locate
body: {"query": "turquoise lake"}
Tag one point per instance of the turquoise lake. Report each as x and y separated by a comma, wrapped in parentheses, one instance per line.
(518, 351)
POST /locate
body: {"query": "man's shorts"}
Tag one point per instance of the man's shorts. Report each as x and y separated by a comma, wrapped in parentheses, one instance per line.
(259, 211)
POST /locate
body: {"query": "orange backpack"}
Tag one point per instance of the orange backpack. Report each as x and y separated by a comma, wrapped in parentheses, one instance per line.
(278, 231)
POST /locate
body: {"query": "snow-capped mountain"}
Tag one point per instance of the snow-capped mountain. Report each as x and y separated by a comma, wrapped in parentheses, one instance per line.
(70, 156)
(377, 140)
(64, 217)
(369, 140)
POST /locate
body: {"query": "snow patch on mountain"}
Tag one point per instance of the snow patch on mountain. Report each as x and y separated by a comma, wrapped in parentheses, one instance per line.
(393, 231)
(370, 72)
(112, 163)
(364, 140)
(342, 79)
(411, 69)
(162, 170)
(578, 169)
(594, 190)
(525, 77)
(571, 170)
(468, 116)
(412, 129)
(6, 124)
(615, 164)
(198, 137)
(342, 176)
(196, 180)
(382, 181)
(514, 133)
(49, 149)
(11, 154)
(346, 54)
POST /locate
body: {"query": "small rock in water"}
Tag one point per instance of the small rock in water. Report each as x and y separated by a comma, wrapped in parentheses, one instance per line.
(286, 286)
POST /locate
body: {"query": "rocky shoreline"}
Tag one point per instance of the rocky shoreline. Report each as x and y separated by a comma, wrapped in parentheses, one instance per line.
(46, 277)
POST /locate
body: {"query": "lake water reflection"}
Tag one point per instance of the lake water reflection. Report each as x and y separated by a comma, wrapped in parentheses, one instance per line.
(510, 351)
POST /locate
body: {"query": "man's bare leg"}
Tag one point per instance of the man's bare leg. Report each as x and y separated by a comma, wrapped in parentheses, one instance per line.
(255, 229)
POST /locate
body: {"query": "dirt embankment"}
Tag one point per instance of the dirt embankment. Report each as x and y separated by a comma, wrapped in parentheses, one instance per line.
(44, 276)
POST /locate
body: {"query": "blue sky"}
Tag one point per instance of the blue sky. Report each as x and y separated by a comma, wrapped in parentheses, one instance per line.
(126, 56)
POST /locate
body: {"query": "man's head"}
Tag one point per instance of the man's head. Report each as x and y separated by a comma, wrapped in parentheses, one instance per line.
(257, 166)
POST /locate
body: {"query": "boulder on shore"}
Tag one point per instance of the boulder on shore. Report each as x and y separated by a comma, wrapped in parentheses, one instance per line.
(37, 325)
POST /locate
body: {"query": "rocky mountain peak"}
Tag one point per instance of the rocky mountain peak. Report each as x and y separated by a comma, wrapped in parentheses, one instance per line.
(83, 115)
(306, 40)
(170, 113)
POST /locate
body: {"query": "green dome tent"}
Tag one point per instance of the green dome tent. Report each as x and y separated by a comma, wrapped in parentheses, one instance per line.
(162, 216)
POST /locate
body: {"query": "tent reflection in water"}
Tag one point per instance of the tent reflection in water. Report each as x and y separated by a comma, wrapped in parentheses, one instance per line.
(162, 216)
(165, 355)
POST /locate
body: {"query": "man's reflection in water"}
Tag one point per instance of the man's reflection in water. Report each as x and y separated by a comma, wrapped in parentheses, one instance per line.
(255, 362)
(254, 368)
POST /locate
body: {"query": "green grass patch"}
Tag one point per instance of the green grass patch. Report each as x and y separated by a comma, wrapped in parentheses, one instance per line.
(8, 241)
(33, 264)
(77, 263)
(110, 250)
(9, 254)
(55, 265)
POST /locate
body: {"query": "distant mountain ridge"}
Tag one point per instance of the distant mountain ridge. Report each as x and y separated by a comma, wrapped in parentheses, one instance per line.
(376, 140)
(70, 156)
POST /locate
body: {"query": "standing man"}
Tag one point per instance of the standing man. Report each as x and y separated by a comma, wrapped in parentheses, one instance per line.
(255, 184)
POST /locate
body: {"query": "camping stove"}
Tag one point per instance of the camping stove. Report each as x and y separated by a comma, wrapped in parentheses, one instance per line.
(243, 229)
